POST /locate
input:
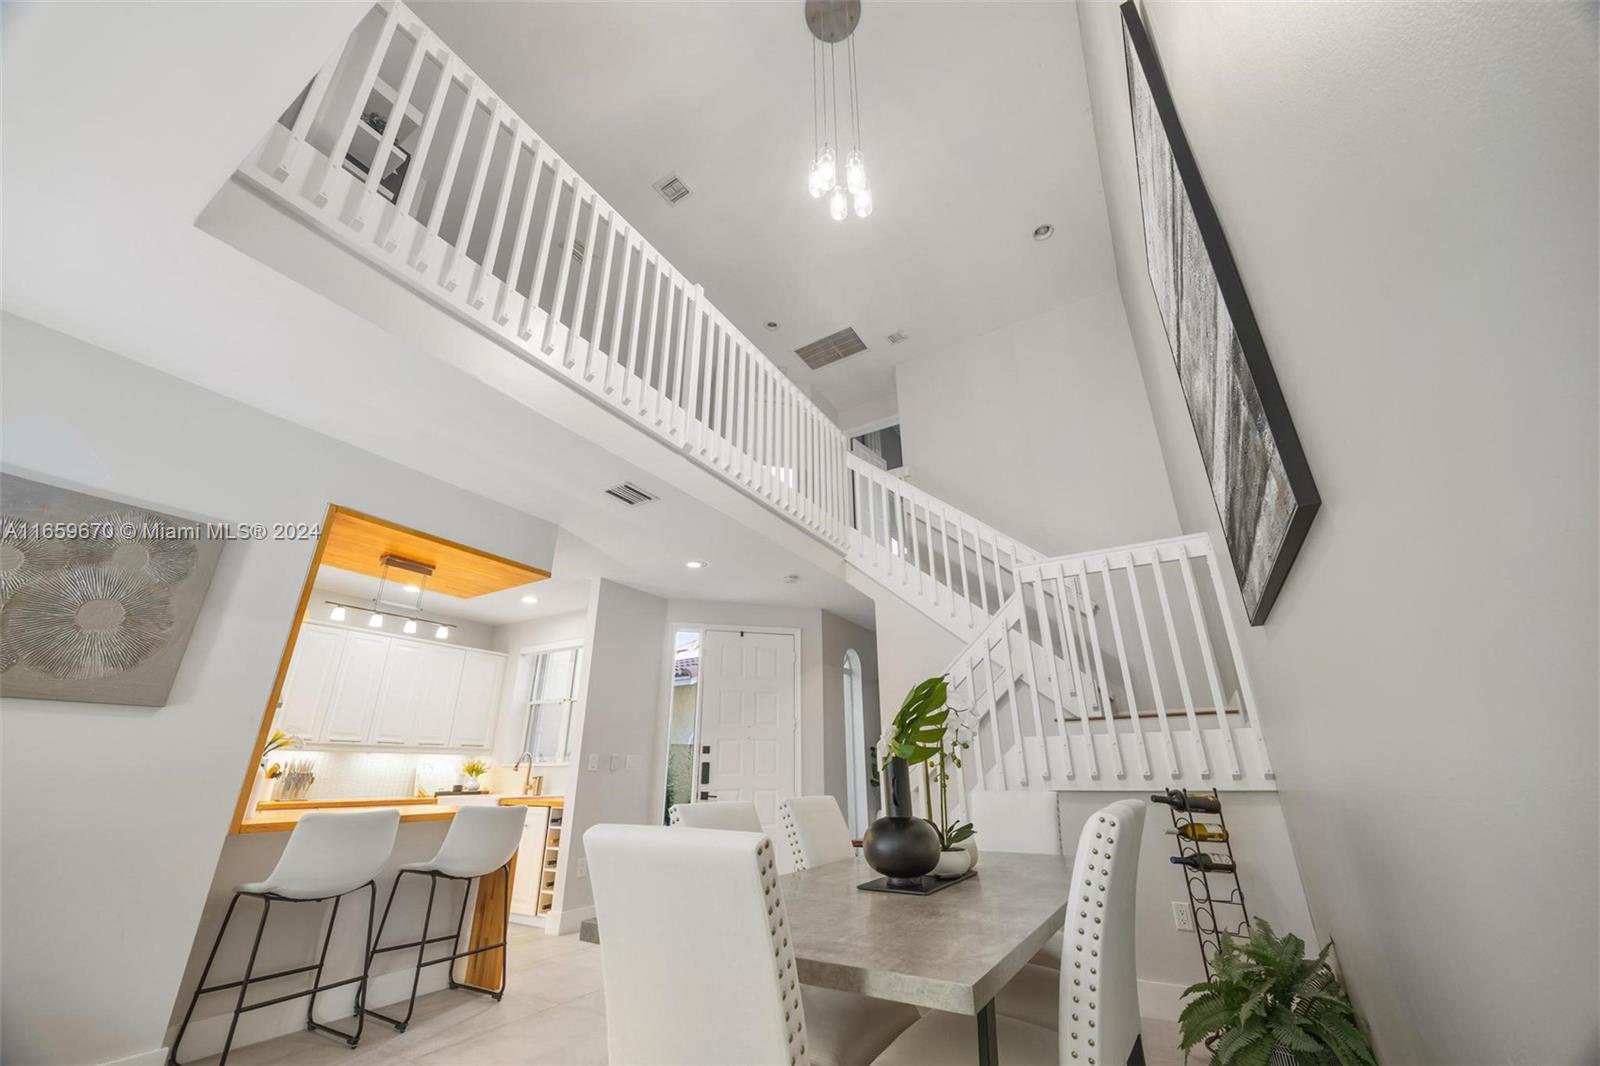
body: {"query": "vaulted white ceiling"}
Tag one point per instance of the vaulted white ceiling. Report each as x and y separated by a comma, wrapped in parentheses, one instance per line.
(976, 126)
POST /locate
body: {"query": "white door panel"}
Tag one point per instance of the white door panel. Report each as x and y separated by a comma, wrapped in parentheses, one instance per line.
(748, 731)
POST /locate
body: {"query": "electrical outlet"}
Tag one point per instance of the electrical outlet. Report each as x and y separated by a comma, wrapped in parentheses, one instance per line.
(1182, 916)
(616, 762)
(594, 763)
(583, 867)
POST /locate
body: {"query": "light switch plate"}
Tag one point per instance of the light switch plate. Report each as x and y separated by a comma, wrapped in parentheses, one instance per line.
(634, 763)
(594, 763)
(616, 762)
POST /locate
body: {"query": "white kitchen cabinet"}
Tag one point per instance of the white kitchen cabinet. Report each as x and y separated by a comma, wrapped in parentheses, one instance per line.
(417, 701)
(355, 693)
(309, 685)
(349, 687)
(477, 700)
(530, 864)
(436, 702)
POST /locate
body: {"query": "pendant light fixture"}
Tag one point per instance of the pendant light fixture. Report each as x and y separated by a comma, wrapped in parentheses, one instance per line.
(832, 22)
(384, 603)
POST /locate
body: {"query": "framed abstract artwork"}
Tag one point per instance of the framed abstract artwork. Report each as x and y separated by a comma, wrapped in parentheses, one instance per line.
(1259, 478)
(97, 598)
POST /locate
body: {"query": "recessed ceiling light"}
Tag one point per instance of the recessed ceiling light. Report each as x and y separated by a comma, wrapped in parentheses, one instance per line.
(790, 579)
(530, 599)
(696, 564)
(1044, 232)
(772, 326)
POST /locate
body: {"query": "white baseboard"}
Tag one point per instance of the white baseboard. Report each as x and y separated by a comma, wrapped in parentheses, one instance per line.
(145, 1058)
(567, 921)
(1160, 999)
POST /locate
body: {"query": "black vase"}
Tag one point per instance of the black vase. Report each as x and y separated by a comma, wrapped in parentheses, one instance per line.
(900, 845)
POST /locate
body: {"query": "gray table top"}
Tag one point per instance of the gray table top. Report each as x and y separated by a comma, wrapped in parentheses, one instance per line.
(952, 951)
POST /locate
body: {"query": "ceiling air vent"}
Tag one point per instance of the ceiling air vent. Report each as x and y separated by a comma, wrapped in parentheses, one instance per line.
(898, 336)
(830, 349)
(630, 494)
(672, 188)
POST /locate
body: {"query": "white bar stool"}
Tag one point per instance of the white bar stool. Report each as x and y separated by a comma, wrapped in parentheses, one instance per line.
(480, 842)
(328, 857)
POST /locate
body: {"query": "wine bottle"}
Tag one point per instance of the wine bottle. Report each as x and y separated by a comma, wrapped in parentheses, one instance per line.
(1203, 862)
(1200, 831)
(1180, 800)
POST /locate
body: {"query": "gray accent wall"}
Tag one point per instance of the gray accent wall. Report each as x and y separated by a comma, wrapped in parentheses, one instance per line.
(1409, 190)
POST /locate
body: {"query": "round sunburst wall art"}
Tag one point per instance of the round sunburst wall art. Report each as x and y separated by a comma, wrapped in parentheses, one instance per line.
(165, 561)
(87, 622)
(26, 558)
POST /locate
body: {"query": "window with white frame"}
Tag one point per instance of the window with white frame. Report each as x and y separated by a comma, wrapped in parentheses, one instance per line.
(552, 693)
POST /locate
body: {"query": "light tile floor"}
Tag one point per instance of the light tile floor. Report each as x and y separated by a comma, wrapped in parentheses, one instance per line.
(553, 1013)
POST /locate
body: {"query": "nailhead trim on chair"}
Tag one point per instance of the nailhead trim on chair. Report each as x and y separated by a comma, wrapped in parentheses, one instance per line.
(783, 954)
(791, 832)
(1082, 943)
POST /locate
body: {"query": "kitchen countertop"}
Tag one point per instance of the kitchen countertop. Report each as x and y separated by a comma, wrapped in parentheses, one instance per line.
(281, 817)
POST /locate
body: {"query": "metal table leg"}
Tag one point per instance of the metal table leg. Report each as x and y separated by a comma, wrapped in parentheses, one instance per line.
(988, 1036)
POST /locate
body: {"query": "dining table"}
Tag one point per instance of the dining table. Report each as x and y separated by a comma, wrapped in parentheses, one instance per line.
(952, 950)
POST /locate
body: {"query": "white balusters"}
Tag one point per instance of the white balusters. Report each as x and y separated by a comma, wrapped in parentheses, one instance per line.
(316, 185)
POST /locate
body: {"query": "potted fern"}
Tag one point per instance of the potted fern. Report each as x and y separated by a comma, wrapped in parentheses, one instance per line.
(1269, 1004)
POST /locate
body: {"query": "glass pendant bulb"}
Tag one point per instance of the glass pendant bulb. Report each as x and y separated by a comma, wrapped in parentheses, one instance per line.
(823, 174)
(376, 621)
(855, 171)
(337, 614)
(838, 205)
(410, 626)
(863, 201)
(442, 633)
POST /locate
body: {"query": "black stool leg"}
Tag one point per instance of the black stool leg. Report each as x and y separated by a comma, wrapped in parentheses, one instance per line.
(316, 976)
(172, 1055)
(372, 949)
(422, 947)
(244, 985)
(366, 971)
(455, 942)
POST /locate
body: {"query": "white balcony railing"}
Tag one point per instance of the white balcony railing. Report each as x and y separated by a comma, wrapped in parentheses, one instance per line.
(399, 150)
(1117, 668)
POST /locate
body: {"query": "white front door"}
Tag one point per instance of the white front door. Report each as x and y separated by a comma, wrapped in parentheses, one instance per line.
(746, 742)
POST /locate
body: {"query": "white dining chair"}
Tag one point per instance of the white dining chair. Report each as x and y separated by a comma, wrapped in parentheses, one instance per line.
(1028, 822)
(480, 842)
(815, 831)
(1095, 1016)
(328, 857)
(738, 815)
(698, 963)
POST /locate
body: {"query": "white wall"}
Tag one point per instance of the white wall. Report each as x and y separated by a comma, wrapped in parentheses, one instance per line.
(623, 700)
(1042, 430)
(911, 647)
(103, 887)
(1409, 191)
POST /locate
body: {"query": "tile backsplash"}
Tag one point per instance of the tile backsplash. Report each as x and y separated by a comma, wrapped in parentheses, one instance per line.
(367, 774)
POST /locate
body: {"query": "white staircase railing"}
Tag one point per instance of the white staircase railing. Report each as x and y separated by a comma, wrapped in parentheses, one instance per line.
(1115, 669)
(1075, 665)
(956, 568)
(398, 150)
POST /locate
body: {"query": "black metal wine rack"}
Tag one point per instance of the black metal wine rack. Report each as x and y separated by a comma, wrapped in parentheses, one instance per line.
(1216, 898)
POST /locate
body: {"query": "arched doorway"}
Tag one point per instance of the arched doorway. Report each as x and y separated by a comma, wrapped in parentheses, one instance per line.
(855, 744)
